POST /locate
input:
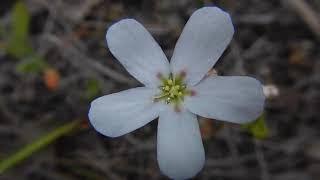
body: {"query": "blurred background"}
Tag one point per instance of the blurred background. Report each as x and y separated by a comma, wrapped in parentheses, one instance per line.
(54, 62)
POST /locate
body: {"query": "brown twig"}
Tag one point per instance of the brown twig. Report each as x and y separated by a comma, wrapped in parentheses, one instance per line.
(307, 14)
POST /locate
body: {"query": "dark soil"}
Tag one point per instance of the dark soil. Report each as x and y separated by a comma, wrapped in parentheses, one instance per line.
(272, 43)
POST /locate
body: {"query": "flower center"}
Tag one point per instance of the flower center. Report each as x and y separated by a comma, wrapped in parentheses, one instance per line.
(173, 90)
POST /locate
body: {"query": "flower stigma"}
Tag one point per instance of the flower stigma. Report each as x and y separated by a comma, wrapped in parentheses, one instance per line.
(173, 90)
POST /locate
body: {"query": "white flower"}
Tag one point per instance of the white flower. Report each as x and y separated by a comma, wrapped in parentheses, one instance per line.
(177, 91)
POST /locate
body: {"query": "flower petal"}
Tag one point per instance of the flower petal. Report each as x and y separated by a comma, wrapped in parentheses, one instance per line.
(202, 42)
(180, 149)
(137, 51)
(120, 113)
(238, 99)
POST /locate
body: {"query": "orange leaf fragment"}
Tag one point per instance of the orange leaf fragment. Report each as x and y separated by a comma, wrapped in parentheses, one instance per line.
(51, 79)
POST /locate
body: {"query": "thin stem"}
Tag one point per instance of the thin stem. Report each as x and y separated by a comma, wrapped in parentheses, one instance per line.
(37, 145)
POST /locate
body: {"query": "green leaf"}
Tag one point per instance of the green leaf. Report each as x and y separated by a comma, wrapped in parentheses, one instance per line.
(92, 89)
(18, 42)
(33, 64)
(20, 20)
(258, 128)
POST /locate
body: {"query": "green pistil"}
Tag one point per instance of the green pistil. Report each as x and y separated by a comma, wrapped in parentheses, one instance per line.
(173, 90)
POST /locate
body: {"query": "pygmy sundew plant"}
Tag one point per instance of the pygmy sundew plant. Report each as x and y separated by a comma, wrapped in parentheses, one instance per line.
(177, 91)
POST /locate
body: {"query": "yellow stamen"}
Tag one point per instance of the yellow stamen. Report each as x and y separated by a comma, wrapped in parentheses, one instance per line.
(173, 90)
